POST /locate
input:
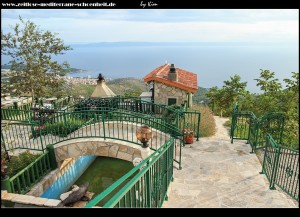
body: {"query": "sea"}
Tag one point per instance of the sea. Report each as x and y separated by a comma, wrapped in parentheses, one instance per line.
(212, 62)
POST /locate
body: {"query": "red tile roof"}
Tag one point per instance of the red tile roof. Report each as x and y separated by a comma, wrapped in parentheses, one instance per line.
(186, 80)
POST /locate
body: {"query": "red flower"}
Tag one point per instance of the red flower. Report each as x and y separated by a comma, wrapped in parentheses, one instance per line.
(187, 131)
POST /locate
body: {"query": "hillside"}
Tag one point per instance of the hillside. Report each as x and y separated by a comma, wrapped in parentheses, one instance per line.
(129, 87)
(199, 96)
(120, 86)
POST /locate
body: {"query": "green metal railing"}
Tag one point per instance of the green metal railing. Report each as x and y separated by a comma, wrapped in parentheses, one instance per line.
(270, 162)
(18, 135)
(240, 126)
(37, 128)
(281, 167)
(136, 105)
(88, 124)
(191, 120)
(147, 188)
(113, 118)
(18, 114)
(61, 103)
(129, 104)
(246, 126)
(34, 172)
(279, 164)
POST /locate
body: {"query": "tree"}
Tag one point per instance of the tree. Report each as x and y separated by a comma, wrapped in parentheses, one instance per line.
(289, 103)
(268, 83)
(230, 92)
(268, 101)
(212, 95)
(233, 90)
(31, 51)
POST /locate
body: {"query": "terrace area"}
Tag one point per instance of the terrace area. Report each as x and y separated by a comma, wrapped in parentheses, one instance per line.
(218, 174)
(212, 172)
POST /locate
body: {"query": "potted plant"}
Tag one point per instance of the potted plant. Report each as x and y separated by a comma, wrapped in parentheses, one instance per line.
(188, 136)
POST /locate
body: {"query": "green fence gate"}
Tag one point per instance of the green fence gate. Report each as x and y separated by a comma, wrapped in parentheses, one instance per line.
(264, 134)
(281, 167)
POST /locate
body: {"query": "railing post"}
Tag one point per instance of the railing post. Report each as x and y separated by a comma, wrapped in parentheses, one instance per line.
(64, 114)
(103, 122)
(52, 158)
(181, 141)
(253, 147)
(2, 141)
(40, 131)
(16, 107)
(5, 184)
(148, 189)
(177, 119)
(250, 125)
(274, 169)
(198, 130)
(232, 127)
(265, 158)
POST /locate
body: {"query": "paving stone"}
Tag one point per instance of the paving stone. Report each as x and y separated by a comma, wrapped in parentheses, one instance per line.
(23, 199)
(39, 201)
(8, 196)
(216, 173)
(52, 203)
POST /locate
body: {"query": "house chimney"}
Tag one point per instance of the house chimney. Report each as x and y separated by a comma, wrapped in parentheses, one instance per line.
(172, 76)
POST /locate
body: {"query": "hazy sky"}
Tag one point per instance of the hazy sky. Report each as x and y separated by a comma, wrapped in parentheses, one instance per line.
(267, 39)
(163, 25)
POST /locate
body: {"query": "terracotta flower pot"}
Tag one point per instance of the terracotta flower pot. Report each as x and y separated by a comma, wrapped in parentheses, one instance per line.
(189, 139)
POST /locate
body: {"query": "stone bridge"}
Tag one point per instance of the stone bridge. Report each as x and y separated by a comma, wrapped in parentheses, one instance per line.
(115, 139)
(99, 147)
(122, 142)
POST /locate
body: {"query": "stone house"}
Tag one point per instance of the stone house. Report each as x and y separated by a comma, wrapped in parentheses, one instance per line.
(170, 85)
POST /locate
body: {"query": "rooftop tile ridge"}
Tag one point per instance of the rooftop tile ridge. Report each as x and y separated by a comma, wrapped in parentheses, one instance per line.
(162, 69)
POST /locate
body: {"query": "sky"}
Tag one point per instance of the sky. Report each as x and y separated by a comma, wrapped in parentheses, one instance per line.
(163, 25)
(265, 38)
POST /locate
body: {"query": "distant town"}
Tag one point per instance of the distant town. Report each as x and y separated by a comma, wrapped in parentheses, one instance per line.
(74, 80)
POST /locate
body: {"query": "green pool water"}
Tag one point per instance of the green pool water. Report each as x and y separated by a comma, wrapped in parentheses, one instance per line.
(103, 172)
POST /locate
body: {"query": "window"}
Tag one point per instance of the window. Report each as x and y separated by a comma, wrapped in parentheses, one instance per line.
(172, 101)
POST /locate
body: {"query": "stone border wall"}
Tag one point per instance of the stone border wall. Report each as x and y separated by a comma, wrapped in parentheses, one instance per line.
(28, 200)
(97, 147)
(39, 188)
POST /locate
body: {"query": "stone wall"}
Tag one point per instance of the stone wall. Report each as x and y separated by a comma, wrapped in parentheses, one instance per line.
(97, 147)
(30, 201)
(162, 92)
(39, 188)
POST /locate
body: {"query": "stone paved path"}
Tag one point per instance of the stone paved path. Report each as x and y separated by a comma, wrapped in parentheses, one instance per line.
(217, 174)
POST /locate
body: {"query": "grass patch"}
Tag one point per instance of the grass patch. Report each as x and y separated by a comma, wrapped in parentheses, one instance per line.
(102, 173)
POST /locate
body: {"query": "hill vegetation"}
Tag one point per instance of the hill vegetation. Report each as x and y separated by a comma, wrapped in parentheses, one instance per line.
(275, 97)
(129, 87)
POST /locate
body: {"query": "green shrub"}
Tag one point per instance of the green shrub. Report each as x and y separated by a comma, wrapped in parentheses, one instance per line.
(16, 164)
(207, 121)
(41, 130)
(62, 129)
